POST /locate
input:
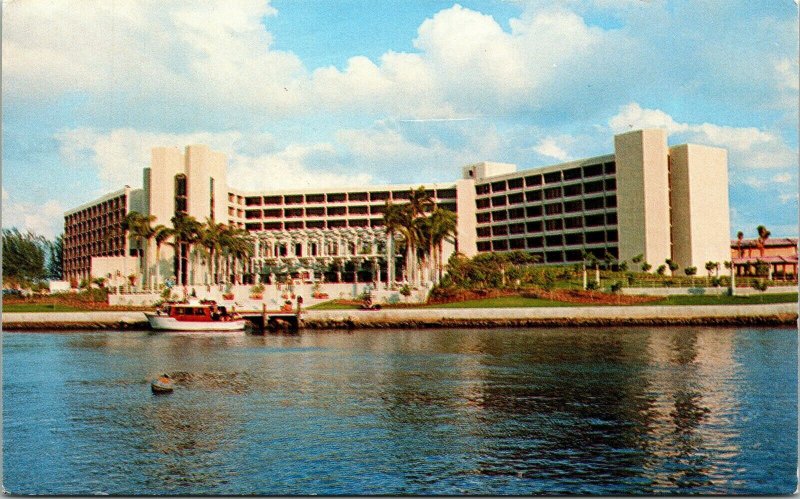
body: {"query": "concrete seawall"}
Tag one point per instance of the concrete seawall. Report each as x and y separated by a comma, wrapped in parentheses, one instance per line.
(710, 315)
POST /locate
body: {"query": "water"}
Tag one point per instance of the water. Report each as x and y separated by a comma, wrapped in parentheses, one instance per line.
(613, 411)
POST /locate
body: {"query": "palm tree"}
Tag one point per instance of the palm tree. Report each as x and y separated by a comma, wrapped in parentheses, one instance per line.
(235, 245)
(138, 225)
(420, 202)
(763, 235)
(392, 222)
(739, 239)
(160, 234)
(185, 231)
(443, 225)
(211, 240)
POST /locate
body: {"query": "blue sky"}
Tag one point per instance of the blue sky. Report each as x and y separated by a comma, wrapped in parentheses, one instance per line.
(303, 93)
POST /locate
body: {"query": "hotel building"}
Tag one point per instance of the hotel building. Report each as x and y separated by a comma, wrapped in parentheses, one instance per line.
(646, 198)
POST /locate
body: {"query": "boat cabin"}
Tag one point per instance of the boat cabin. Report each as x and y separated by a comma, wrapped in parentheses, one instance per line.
(196, 313)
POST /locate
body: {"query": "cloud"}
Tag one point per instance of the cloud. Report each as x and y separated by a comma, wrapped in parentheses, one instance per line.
(748, 147)
(549, 147)
(45, 219)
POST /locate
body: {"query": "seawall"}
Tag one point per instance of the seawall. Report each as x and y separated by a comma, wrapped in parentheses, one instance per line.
(700, 315)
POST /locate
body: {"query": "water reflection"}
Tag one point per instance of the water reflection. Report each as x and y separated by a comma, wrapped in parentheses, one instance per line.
(625, 411)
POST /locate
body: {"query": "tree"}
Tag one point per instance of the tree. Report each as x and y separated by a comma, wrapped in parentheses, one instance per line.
(763, 235)
(210, 237)
(185, 230)
(638, 258)
(690, 272)
(161, 234)
(55, 260)
(442, 227)
(646, 267)
(739, 240)
(23, 257)
(671, 264)
(661, 270)
(139, 228)
(392, 222)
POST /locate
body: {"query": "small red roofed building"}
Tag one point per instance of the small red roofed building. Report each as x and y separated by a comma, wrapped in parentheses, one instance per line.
(779, 253)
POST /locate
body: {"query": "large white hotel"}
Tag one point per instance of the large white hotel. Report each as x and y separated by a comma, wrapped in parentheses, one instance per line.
(646, 198)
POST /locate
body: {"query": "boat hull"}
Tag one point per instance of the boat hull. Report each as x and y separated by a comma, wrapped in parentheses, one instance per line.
(166, 323)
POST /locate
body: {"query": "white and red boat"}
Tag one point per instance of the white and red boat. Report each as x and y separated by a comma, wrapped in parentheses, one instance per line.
(204, 316)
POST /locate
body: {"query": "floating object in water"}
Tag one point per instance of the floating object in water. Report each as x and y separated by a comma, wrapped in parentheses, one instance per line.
(163, 384)
(195, 316)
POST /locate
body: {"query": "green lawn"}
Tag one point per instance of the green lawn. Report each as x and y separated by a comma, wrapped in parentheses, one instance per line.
(39, 307)
(503, 302)
(726, 300)
(332, 305)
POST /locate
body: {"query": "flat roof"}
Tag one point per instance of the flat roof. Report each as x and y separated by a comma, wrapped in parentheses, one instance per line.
(369, 188)
(99, 200)
(547, 169)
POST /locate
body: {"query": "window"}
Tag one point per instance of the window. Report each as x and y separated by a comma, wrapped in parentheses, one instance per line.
(482, 189)
(553, 209)
(593, 204)
(499, 186)
(446, 193)
(293, 199)
(594, 220)
(533, 180)
(482, 203)
(573, 190)
(484, 231)
(534, 226)
(573, 222)
(499, 201)
(554, 256)
(315, 198)
(573, 206)
(552, 193)
(515, 198)
(535, 242)
(556, 224)
(572, 174)
(610, 168)
(336, 198)
(592, 170)
(273, 200)
(181, 199)
(554, 241)
(484, 217)
(357, 196)
(533, 195)
(515, 183)
(484, 246)
(358, 210)
(573, 239)
(248, 201)
(518, 228)
(515, 213)
(499, 215)
(593, 187)
(552, 177)
(378, 196)
(500, 245)
(533, 211)
(611, 218)
(499, 230)
(517, 244)
(611, 201)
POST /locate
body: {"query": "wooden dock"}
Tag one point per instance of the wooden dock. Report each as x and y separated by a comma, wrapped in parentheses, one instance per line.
(273, 322)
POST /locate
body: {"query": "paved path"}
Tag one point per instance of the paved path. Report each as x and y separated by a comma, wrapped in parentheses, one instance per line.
(778, 313)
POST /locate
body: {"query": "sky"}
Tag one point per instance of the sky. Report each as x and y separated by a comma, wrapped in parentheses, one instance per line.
(302, 93)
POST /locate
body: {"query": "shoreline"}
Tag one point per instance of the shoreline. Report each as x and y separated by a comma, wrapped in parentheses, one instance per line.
(779, 314)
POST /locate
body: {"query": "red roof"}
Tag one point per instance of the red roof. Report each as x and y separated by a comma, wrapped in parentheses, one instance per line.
(772, 241)
(766, 259)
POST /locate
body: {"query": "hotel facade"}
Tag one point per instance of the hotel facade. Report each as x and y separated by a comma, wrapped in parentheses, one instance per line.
(646, 198)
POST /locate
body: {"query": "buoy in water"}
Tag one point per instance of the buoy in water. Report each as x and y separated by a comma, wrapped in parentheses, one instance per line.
(163, 384)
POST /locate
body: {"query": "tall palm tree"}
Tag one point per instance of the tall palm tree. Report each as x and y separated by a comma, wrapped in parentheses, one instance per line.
(161, 234)
(185, 231)
(443, 225)
(138, 225)
(211, 239)
(392, 222)
(739, 239)
(763, 235)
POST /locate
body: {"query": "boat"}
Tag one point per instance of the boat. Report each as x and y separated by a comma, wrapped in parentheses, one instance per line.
(163, 384)
(205, 316)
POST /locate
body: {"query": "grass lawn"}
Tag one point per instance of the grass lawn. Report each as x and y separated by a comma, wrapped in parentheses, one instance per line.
(503, 302)
(332, 305)
(39, 307)
(726, 300)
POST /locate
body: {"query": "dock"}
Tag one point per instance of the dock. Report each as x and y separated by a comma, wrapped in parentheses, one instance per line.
(273, 322)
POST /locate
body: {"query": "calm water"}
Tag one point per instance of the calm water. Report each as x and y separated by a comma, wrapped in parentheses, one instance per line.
(628, 411)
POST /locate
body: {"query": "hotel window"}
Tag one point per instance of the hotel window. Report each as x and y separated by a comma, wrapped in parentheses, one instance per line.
(533, 180)
(336, 210)
(273, 200)
(611, 218)
(593, 204)
(573, 222)
(482, 189)
(499, 230)
(515, 183)
(315, 198)
(211, 200)
(357, 196)
(534, 226)
(358, 210)
(499, 186)
(553, 209)
(248, 201)
(500, 245)
(336, 198)
(612, 236)
(593, 187)
(611, 184)
(552, 177)
(535, 242)
(499, 215)
(294, 225)
(293, 199)
(595, 237)
(446, 193)
(556, 224)
(533, 196)
(377, 210)
(181, 200)
(533, 211)
(554, 257)
(293, 212)
(484, 217)
(552, 193)
(515, 213)
(379, 196)
(610, 168)
(573, 206)
(272, 213)
(515, 198)
(516, 244)
(611, 201)
(448, 206)
(315, 212)
(573, 190)
(484, 246)
(553, 241)
(484, 231)
(572, 174)
(592, 170)
(594, 220)
(499, 201)
(516, 228)
(315, 224)
(482, 203)
(573, 239)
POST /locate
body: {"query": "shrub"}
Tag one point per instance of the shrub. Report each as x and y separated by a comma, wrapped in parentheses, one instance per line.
(760, 285)
(616, 287)
(405, 290)
(257, 289)
(661, 270)
(592, 285)
(646, 267)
